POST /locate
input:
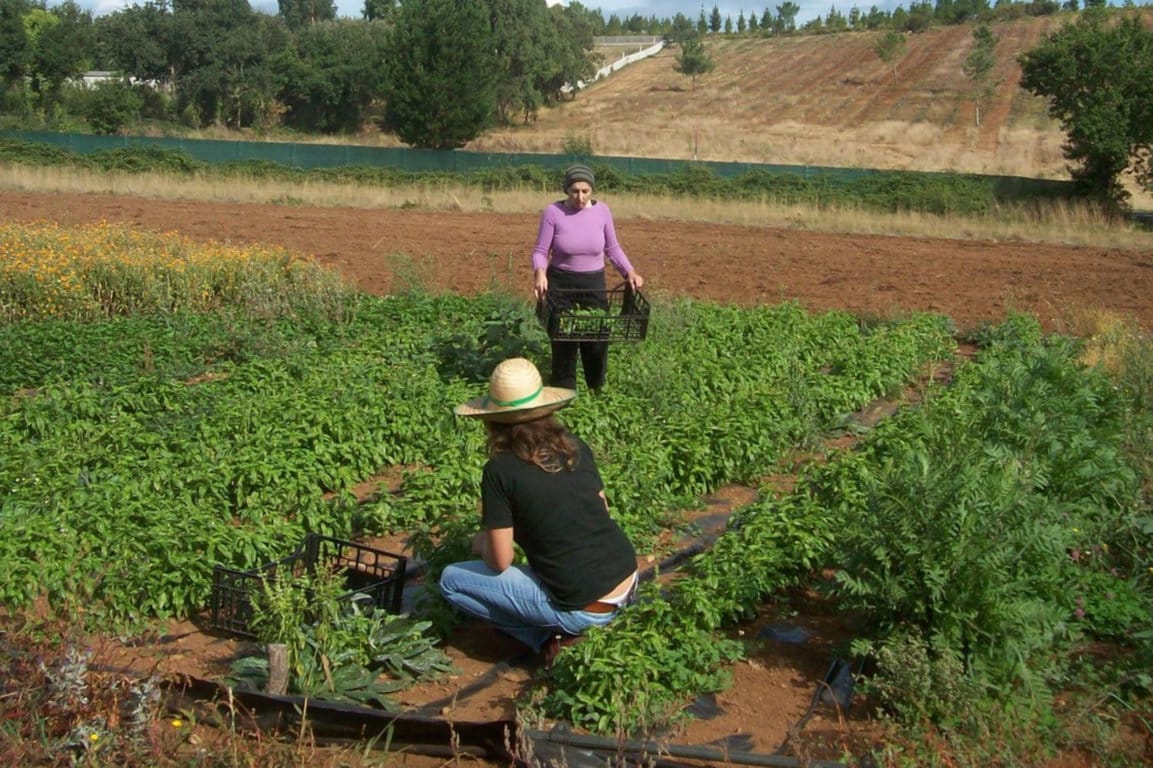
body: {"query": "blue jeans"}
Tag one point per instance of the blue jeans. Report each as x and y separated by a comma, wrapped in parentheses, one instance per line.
(514, 601)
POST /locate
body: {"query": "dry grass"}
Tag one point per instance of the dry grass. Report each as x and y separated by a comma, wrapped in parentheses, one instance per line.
(815, 100)
(1064, 224)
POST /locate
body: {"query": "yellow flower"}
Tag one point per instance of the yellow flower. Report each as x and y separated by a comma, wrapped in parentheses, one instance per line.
(94, 737)
(177, 723)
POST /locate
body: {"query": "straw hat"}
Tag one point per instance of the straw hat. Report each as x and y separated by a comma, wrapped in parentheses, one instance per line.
(515, 394)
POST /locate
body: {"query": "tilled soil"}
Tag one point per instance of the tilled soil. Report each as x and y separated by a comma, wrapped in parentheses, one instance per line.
(974, 282)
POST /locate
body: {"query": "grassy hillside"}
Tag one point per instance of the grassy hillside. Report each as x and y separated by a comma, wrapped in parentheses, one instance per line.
(820, 100)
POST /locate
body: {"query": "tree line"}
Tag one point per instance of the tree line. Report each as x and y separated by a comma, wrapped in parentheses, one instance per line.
(220, 62)
(437, 73)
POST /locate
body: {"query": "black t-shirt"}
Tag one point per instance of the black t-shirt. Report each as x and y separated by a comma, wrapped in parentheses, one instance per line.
(560, 521)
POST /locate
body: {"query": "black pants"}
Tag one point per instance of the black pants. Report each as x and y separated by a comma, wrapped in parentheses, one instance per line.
(581, 290)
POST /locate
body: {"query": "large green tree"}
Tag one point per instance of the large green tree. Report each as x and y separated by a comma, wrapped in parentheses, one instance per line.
(223, 54)
(15, 47)
(526, 41)
(332, 74)
(62, 44)
(574, 60)
(138, 42)
(538, 51)
(787, 15)
(378, 9)
(441, 73)
(301, 13)
(1097, 75)
(248, 79)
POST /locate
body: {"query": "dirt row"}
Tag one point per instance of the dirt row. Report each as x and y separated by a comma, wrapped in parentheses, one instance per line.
(973, 282)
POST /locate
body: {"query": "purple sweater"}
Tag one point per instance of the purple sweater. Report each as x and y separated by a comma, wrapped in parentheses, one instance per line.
(578, 240)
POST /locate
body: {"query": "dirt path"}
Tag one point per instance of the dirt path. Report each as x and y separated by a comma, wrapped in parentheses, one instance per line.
(971, 281)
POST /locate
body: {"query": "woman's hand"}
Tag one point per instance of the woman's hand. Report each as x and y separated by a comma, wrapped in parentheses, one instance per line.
(540, 283)
(635, 281)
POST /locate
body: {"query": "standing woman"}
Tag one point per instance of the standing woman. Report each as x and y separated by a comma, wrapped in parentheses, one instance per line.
(540, 490)
(575, 237)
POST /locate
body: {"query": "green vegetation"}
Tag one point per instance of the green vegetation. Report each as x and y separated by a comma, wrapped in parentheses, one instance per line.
(1098, 77)
(336, 649)
(891, 191)
(889, 49)
(440, 96)
(196, 65)
(978, 67)
(985, 540)
(693, 60)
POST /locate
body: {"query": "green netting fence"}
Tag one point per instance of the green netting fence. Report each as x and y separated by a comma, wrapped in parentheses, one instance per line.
(313, 156)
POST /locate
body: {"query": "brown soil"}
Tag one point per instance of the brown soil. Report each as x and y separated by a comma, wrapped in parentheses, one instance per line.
(973, 282)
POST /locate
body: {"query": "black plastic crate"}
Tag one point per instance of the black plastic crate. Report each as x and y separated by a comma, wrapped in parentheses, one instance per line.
(565, 319)
(371, 572)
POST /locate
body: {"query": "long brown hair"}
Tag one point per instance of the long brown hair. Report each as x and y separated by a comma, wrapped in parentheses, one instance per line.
(544, 442)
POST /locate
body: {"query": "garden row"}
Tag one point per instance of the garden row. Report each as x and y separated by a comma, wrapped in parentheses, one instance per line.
(981, 537)
(983, 540)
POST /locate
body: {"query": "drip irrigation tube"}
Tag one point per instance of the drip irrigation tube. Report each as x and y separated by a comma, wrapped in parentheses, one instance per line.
(653, 749)
(496, 740)
(335, 722)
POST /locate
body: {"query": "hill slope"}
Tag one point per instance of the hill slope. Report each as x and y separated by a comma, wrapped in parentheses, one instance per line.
(817, 100)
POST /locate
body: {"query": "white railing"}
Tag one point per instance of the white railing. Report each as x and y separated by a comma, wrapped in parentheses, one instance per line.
(608, 41)
(623, 61)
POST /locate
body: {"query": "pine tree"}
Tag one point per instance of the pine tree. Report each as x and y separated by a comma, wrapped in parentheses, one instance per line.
(693, 59)
(979, 65)
(441, 83)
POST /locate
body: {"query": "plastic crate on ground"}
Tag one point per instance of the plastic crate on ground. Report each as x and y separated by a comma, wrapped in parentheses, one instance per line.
(564, 317)
(367, 571)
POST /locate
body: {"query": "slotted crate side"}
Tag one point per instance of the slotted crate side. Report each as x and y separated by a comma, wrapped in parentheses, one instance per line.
(233, 591)
(626, 319)
(366, 570)
(372, 572)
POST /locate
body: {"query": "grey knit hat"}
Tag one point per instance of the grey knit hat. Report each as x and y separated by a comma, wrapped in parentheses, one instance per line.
(577, 173)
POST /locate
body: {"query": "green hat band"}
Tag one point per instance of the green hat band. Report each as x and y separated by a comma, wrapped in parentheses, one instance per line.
(513, 403)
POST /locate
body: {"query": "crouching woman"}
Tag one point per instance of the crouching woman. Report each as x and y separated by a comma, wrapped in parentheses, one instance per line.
(541, 490)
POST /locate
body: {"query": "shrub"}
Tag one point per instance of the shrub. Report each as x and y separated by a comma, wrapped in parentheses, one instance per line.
(109, 106)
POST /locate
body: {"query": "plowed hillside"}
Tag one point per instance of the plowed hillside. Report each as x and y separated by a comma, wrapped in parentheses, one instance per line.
(817, 100)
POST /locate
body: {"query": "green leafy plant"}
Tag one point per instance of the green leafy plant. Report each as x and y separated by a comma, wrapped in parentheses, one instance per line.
(338, 649)
(665, 657)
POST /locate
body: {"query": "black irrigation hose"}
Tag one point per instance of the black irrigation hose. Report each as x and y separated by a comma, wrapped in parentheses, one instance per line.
(333, 722)
(653, 749)
(337, 722)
